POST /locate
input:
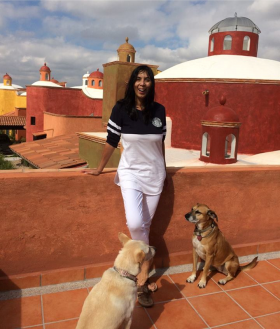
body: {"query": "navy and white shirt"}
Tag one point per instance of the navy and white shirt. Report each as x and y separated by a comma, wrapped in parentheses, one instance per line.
(142, 164)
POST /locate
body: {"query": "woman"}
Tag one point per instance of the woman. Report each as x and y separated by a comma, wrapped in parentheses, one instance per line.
(142, 171)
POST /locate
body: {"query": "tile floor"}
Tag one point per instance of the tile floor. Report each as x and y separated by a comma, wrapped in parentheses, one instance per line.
(250, 301)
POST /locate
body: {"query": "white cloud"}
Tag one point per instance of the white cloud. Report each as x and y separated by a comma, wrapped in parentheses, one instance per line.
(22, 59)
(79, 36)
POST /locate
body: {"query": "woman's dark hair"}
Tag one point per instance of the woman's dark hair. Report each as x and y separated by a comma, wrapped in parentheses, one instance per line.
(129, 99)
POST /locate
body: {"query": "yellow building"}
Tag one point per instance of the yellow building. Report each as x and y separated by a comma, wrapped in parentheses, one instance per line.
(11, 96)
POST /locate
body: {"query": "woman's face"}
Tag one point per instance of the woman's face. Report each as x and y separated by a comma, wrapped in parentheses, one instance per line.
(142, 86)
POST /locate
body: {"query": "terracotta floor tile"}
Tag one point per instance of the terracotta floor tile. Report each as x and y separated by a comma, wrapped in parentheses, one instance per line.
(16, 313)
(176, 315)
(71, 324)
(20, 282)
(140, 319)
(275, 262)
(240, 281)
(274, 288)
(270, 321)
(191, 289)
(166, 289)
(256, 300)
(63, 305)
(246, 324)
(218, 309)
(264, 272)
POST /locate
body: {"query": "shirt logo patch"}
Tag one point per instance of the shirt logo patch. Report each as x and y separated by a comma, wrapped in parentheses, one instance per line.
(157, 122)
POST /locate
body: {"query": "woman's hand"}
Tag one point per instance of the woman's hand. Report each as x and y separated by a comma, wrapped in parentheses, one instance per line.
(94, 172)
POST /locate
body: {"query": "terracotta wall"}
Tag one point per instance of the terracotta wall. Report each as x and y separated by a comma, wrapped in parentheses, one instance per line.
(257, 105)
(65, 101)
(61, 219)
(57, 125)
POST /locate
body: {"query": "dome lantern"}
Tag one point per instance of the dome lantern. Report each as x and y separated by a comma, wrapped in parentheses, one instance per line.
(95, 80)
(7, 80)
(220, 135)
(126, 52)
(45, 73)
(234, 36)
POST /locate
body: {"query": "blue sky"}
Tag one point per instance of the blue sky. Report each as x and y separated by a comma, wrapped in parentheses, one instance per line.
(76, 36)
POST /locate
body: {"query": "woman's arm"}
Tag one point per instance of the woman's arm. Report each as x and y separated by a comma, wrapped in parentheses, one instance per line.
(106, 155)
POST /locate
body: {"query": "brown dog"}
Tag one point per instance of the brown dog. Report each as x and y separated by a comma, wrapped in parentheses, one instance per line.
(110, 303)
(210, 245)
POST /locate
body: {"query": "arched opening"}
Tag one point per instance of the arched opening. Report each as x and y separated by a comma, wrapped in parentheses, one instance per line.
(128, 58)
(47, 76)
(86, 82)
(246, 43)
(230, 146)
(100, 83)
(212, 44)
(205, 148)
(92, 83)
(227, 42)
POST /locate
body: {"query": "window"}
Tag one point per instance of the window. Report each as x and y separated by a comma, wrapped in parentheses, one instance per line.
(33, 121)
(246, 43)
(41, 136)
(92, 83)
(230, 145)
(205, 150)
(128, 58)
(212, 44)
(227, 42)
(86, 82)
(47, 76)
(100, 83)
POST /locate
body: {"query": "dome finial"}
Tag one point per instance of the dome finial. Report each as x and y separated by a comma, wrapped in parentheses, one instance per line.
(126, 39)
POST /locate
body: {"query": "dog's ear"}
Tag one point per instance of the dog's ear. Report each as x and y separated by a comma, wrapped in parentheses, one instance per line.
(123, 238)
(212, 214)
(139, 256)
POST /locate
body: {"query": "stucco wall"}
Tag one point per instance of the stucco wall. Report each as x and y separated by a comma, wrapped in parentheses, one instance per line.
(65, 101)
(257, 105)
(62, 219)
(9, 100)
(57, 125)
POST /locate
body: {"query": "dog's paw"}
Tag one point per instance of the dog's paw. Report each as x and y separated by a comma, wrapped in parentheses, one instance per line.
(201, 284)
(222, 281)
(191, 278)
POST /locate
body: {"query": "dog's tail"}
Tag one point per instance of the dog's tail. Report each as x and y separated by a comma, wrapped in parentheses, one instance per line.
(249, 266)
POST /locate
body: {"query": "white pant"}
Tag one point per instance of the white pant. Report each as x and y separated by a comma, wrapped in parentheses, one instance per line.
(139, 210)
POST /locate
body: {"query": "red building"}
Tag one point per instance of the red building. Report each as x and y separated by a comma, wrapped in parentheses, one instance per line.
(251, 86)
(47, 97)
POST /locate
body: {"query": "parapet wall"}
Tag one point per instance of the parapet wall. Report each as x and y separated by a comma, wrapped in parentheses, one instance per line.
(53, 220)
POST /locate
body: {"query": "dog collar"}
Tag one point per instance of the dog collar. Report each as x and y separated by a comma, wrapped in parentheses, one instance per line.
(198, 232)
(125, 274)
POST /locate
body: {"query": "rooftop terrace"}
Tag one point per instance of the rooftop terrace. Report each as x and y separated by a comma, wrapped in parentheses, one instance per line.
(53, 250)
(251, 301)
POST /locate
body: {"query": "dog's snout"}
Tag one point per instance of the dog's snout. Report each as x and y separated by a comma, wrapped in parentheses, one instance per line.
(188, 215)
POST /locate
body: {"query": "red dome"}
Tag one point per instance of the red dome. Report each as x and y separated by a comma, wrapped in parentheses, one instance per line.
(45, 68)
(54, 80)
(96, 74)
(6, 76)
(221, 113)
